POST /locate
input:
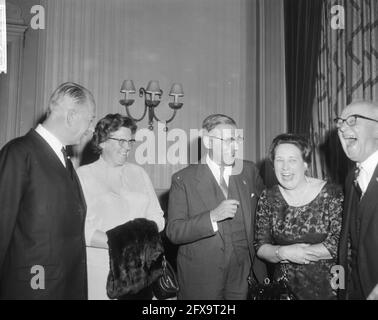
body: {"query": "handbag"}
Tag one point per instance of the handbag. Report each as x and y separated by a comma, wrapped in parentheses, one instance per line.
(270, 290)
(166, 286)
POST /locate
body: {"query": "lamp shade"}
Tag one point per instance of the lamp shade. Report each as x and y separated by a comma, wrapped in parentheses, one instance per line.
(128, 86)
(153, 87)
(176, 90)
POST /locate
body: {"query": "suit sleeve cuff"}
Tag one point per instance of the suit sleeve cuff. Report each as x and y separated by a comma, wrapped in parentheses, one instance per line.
(215, 225)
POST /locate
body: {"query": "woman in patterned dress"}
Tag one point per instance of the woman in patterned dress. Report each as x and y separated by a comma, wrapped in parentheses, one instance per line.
(298, 221)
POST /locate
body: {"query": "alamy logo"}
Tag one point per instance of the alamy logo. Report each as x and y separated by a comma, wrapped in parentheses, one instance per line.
(338, 17)
(38, 20)
(338, 279)
(37, 282)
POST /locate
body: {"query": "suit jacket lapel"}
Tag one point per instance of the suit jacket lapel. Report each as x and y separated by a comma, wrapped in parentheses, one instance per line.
(245, 204)
(207, 187)
(80, 189)
(49, 153)
(368, 203)
(209, 190)
(352, 198)
(350, 206)
(53, 160)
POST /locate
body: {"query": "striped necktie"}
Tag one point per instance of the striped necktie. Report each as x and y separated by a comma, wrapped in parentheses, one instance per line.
(356, 184)
(222, 182)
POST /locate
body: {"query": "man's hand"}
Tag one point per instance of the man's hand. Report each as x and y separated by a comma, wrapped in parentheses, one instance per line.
(225, 210)
(374, 294)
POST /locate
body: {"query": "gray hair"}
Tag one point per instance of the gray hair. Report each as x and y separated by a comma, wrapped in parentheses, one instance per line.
(76, 92)
(214, 120)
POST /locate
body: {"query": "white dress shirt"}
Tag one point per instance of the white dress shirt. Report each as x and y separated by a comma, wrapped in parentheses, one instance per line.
(367, 169)
(53, 142)
(215, 170)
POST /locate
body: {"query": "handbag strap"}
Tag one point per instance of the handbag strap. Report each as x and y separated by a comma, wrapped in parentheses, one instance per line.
(164, 265)
(252, 272)
(283, 267)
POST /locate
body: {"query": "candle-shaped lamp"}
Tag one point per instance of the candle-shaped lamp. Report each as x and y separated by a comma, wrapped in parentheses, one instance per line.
(127, 88)
(152, 97)
(153, 89)
(176, 91)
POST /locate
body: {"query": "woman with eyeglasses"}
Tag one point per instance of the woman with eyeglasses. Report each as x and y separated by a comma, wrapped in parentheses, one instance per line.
(116, 191)
(298, 222)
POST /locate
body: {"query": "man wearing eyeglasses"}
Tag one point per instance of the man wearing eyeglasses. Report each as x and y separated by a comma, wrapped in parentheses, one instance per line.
(211, 217)
(358, 132)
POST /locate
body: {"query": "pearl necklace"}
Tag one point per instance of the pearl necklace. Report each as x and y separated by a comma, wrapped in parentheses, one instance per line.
(297, 198)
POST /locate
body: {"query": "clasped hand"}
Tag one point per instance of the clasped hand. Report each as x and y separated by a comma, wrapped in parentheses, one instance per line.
(299, 253)
(225, 210)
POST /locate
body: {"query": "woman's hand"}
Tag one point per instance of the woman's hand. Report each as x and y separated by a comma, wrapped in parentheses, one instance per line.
(299, 253)
(99, 240)
(320, 251)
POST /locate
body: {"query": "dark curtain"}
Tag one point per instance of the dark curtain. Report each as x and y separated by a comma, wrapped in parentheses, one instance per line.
(347, 70)
(302, 45)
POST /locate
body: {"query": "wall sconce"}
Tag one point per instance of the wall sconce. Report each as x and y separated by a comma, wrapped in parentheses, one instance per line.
(152, 97)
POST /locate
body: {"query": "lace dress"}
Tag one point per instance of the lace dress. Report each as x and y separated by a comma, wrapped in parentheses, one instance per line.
(319, 221)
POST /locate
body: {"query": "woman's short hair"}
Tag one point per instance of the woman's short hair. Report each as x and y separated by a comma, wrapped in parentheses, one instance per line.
(289, 138)
(109, 124)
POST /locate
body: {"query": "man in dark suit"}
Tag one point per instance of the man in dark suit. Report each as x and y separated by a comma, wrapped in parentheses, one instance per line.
(42, 208)
(211, 217)
(358, 133)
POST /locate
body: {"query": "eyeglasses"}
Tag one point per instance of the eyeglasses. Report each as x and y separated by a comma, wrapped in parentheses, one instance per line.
(122, 142)
(350, 121)
(229, 140)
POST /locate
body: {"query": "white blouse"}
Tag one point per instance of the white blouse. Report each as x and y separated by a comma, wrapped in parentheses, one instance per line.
(115, 195)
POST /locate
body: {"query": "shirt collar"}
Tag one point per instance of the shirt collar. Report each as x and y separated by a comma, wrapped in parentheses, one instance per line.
(370, 163)
(50, 138)
(215, 168)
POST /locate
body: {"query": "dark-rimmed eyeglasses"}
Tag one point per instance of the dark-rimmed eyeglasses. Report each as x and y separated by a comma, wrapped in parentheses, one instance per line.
(350, 121)
(229, 140)
(123, 142)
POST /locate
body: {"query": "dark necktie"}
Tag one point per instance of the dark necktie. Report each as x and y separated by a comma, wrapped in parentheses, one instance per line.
(222, 182)
(68, 162)
(74, 178)
(356, 185)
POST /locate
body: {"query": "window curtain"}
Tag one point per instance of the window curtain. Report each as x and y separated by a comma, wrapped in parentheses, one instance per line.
(3, 38)
(302, 41)
(346, 71)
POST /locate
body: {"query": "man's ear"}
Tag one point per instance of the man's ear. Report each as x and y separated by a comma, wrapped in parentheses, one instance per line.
(71, 116)
(206, 141)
